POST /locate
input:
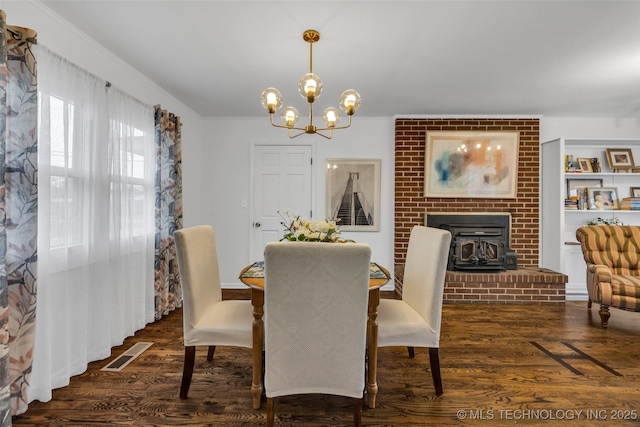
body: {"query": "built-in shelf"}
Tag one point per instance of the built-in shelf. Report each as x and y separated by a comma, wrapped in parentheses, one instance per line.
(559, 249)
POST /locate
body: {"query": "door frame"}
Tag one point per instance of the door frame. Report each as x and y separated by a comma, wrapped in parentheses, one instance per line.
(314, 167)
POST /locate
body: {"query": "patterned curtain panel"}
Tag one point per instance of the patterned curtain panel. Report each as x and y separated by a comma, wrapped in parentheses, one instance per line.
(168, 294)
(18, 215)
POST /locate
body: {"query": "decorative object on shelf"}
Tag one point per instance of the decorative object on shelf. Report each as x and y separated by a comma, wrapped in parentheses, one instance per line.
(577, 191)
(574, 184)
(605, 221)
(595, 165)
(353, 193)
(630, 204)
(299, 229)
(602, 198)
(634, 191)
(620, 159)
(471, 164)
(585, 165)
(310, 88)
(573, 204)
(569, 164)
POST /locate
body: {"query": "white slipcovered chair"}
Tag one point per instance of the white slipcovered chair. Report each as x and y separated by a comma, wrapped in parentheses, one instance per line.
(415, 320)
(315, 313)
(207, 319)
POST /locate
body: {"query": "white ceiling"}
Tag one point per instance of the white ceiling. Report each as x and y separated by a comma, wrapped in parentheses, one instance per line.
(552, 58)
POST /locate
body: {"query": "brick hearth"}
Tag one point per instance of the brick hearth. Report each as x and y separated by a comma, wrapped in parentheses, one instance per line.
(522, 286)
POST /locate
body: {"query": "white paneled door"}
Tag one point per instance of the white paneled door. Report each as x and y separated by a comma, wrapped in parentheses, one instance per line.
(281, 180)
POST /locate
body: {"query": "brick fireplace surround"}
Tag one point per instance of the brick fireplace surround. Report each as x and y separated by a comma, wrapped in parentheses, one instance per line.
(527, 285)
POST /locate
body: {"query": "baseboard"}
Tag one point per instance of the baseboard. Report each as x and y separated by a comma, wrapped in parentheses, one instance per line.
(233, 286)
(576, 292)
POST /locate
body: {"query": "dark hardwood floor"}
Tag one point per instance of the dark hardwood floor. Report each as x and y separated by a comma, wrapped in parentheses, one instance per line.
(502, 365)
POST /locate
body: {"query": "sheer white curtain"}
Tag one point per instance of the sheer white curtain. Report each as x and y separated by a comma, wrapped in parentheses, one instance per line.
(96, 221)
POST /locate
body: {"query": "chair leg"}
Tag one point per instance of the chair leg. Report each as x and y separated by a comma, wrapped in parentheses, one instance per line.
(604, 316)
(212, 349)
(264, 358)
(270, 414)
(589, 303)
(412, 352)
(357, 415)
(187, 373)
(434, 361)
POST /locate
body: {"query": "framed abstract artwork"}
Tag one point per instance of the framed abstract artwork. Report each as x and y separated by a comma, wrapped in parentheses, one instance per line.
(353, 193)
(471, 164)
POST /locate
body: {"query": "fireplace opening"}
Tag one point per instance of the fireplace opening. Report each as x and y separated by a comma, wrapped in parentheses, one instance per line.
(478, 241)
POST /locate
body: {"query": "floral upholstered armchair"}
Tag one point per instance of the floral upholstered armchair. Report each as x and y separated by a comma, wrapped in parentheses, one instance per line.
(612, 254)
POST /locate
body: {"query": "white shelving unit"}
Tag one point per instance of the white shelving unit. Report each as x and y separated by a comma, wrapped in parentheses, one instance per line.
(559, 249)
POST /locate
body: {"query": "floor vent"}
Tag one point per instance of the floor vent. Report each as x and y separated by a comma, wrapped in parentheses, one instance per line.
(127, 357)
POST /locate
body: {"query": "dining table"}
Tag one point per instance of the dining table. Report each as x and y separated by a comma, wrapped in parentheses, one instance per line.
(253, 276)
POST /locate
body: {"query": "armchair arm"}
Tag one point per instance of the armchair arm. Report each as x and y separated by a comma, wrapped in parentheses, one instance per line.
(599, 284)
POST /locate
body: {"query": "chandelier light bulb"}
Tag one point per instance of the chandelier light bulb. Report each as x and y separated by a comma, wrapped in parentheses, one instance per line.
(271, 99)
(290, 116)
(310, 87)
(350, 101)
(331, 117)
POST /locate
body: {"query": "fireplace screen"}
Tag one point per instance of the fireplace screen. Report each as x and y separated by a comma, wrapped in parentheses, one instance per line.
(473, 251)
(478, 241)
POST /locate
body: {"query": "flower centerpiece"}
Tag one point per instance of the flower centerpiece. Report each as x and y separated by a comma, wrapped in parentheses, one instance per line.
(605, 221)
(299, 229)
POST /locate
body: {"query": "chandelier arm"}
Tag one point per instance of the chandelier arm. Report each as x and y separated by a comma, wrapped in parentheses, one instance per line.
(323, 135)
(296, 135)
(283, 126)
(336, 127)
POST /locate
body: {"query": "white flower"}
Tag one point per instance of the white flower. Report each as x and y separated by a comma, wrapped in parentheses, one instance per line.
(297, 228)
(324, 226)
(605, 221)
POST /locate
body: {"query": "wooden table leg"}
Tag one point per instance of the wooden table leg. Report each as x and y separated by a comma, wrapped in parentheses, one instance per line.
(257, 300)
(372, 347)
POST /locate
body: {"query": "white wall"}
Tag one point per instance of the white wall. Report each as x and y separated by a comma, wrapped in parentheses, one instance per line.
(588, 127)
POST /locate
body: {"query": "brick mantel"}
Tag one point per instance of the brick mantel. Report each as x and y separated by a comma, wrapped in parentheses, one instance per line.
(522, 286)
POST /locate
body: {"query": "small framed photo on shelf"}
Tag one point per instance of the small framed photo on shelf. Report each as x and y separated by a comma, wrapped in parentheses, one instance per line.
(634, 191)
(620, 159)
(602, 198)
(585, 164)
(581, 184)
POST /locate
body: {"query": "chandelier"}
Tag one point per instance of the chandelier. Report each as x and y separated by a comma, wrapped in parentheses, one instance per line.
(310, 88)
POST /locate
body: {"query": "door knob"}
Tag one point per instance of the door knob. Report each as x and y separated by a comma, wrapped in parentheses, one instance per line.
(256, 224)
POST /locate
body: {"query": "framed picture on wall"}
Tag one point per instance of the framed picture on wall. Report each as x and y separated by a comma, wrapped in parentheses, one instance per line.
(353, 193)
(471, 164)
